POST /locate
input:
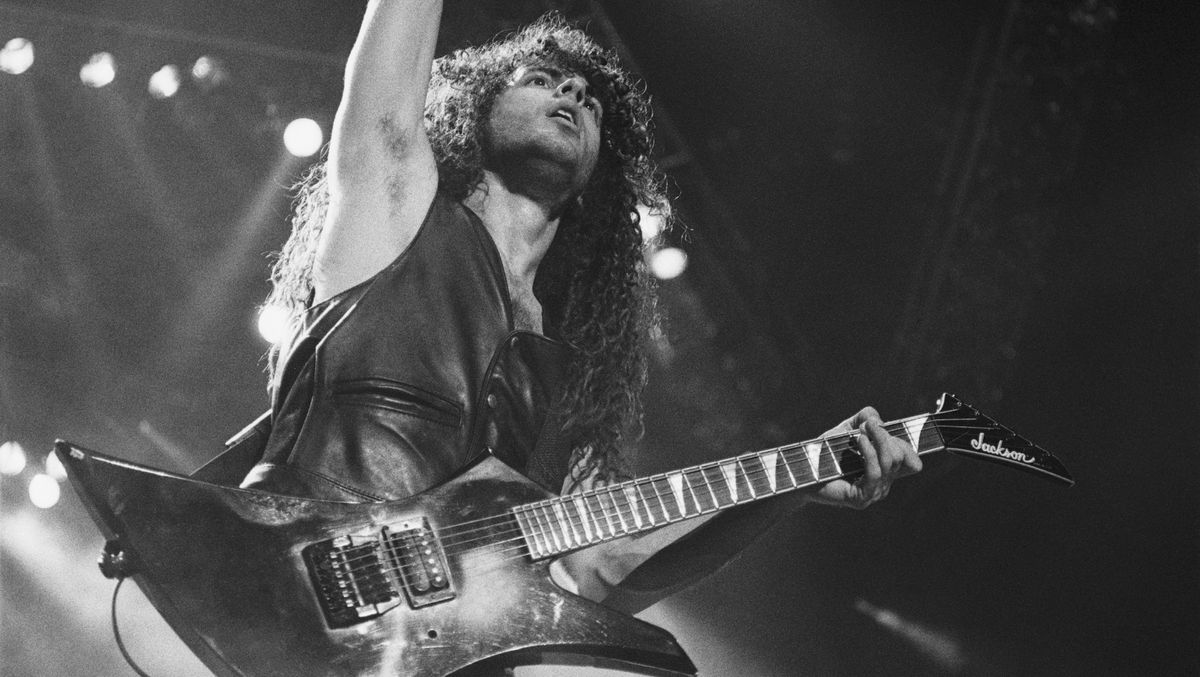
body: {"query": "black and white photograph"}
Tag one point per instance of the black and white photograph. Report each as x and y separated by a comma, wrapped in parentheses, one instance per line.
(595, 338)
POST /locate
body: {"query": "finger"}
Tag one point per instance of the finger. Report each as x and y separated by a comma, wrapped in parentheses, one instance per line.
(842, 493)
(891, 456)
(873, 473)
(865, 414)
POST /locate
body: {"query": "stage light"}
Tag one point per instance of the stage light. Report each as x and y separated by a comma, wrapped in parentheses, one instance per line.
(208, 72)
(273, 323)
(303, 137)
(668, 263)
(12, 458)
(44, 491)
(54, 467)
(100, 70)
(165, 82)
(650, 221)
(17, 56)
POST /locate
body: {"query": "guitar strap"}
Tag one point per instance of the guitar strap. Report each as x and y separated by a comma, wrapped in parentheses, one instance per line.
(549, 463)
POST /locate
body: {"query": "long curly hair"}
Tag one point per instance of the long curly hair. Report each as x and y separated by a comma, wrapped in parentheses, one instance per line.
(592, 283)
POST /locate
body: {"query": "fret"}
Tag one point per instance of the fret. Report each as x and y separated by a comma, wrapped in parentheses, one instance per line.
(678, 482)
(813, 451)
(662, 490)
(705, 500)
(580, 508)
(564, 522)
(527, 532)
(757, 477)
(645, 503)
(545, 547)
(729, 471)
(788, 466)
(745, 477)
(829, 466)
(914, 427)
(620, 510)
(578, 517)
(715, 476)
(548, 519)
(632, 495)
(596, 509)
(768, 460)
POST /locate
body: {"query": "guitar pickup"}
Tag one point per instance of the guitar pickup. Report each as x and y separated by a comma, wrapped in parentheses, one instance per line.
(417, 556)
(351, 579)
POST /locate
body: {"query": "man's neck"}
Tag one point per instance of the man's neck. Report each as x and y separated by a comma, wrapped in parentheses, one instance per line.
(521, 226)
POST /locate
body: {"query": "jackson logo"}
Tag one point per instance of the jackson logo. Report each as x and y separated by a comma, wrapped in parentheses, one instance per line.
(999, 450)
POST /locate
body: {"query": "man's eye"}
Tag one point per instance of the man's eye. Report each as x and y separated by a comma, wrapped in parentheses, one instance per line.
(539, 81)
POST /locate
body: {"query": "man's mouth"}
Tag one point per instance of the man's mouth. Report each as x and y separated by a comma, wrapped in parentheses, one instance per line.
(564, 114)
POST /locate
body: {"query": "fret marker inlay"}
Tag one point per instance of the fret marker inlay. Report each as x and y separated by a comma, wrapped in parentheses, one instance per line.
(729, 470)
(813, 450)
(914, 427)
(768, 460)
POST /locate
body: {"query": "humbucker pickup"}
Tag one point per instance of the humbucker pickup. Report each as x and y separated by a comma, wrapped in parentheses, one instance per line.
(360, 576)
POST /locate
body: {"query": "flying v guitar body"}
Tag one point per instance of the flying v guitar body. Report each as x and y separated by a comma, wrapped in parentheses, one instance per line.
(250, 579)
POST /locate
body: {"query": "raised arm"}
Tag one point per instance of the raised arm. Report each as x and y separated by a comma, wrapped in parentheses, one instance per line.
(381, 171)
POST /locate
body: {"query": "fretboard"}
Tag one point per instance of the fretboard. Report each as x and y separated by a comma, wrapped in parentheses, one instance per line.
(558, 525)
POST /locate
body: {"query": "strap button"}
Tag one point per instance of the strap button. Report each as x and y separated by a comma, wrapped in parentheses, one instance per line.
(492, 400)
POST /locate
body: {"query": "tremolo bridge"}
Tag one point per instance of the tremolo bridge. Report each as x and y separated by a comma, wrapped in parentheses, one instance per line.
(361, 576)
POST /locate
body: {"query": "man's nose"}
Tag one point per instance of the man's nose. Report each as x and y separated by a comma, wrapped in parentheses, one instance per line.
(573, 86)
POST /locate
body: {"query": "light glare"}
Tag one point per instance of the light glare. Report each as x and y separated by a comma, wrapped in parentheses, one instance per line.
(54, 467)
(100, 70)
(650, 221)
(303, 137)
(12, 458)
(165, 82)
(273, 324)
(44, 491)
(668, 263)
(17, 56)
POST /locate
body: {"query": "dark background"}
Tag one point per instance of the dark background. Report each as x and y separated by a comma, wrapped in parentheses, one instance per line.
(884, 201)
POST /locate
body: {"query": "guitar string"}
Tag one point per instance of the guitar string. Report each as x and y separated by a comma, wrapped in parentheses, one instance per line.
(520, 551)
(578, 534)
(457, 529)
(841, 441)
(575, 540)
(451, 540)
(453, 534)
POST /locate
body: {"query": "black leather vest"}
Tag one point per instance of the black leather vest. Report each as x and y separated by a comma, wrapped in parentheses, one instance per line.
(392, 386)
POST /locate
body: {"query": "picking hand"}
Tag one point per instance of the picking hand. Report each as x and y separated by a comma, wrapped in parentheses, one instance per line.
(886, 458)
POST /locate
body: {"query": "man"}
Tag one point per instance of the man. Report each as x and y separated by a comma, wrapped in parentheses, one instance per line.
(465, 273)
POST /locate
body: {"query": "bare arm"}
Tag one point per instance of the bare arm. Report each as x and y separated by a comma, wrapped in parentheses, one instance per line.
(382, 175)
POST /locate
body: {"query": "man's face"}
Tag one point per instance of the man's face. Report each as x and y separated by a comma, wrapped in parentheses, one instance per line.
(548, 122)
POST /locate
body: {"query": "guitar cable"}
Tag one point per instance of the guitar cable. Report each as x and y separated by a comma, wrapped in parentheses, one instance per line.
(117, 631)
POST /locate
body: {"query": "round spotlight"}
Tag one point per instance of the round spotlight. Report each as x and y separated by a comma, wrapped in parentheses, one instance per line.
(17, 56)
(164, 83)
(54, 467)
(303, 137)
(12, 458)
(100, 70)
(208, 72)
(668, 263)
(273, 323)
(44, 491)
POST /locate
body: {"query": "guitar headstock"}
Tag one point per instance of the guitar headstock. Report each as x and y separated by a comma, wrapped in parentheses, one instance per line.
(967, 431)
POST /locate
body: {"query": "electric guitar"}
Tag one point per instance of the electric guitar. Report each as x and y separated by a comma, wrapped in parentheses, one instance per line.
(450, 579)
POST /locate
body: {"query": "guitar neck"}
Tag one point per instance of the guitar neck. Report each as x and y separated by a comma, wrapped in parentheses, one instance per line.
(559, 525)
